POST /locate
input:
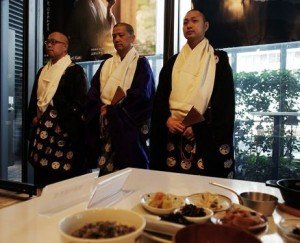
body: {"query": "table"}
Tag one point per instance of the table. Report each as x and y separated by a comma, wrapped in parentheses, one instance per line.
(8, 198)
(276, 136)
(21, 223)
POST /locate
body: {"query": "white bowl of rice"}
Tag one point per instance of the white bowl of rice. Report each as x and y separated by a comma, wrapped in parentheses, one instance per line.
(106, 225)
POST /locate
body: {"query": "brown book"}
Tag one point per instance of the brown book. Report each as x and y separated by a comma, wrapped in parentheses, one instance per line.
(118, 96)
(192, 117)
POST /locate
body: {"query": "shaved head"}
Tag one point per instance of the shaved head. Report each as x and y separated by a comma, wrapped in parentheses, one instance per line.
(57, 45)
(61, 36)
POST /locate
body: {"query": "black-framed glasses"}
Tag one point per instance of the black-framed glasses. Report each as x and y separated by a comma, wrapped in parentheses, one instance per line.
(52, 42)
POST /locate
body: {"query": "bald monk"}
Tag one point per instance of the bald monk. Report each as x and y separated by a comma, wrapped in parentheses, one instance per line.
(54, 116)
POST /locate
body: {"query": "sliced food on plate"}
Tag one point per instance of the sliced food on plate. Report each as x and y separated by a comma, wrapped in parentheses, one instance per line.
(215, 202)
(161, 203)
(242, 218)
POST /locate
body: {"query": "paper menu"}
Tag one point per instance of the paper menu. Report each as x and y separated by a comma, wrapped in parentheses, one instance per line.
(65, 194)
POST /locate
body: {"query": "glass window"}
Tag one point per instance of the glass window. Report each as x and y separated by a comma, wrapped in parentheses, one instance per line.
(258, 60)
(183, 7)
(147, 18)
(150, 32)
(12, 89)
(293, 59)
(267, 111)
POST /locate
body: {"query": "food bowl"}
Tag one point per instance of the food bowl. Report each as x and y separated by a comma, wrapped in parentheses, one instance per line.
(290, 229)
(160, 203)
(70, 224)
(261, 202)
(242, 218)
(213, 233)
(195, 214)
(215, 202)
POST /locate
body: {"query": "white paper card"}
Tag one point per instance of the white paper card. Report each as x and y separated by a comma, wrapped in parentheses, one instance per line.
(110, 190)
(65, 194)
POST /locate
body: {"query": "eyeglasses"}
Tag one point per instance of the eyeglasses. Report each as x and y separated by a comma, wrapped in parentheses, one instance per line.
(52, 42)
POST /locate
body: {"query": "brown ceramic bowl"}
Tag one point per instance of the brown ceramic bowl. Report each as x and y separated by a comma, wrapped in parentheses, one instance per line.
(213, 233)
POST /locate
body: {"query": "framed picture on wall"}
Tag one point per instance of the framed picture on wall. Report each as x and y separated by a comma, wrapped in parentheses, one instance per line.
(88, 24)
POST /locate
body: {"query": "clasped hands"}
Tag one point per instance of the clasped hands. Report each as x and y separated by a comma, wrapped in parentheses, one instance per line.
(103, 110)
(176, 126)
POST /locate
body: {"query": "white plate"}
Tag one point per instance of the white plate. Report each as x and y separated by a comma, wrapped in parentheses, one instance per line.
(176, 201)
(215, 202)
(217, 219)
(286, 227)
(155, 224)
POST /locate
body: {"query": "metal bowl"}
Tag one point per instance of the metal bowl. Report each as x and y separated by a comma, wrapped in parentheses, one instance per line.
(260, 202)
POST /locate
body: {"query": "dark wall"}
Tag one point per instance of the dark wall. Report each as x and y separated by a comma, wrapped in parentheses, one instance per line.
(251, 22)
(56, 14)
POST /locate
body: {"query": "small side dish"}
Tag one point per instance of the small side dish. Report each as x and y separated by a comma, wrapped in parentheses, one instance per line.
(187, 214)
(195, 214)
(160, 203)
(243, 219)
(191, 210)
(161, 200)
(290, 228)
(215, 202)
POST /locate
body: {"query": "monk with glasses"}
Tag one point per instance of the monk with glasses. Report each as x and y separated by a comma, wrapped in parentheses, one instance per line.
(54, 116)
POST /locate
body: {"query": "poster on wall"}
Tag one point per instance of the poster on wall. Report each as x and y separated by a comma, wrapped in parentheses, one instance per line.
(251, 22)
(88, 24)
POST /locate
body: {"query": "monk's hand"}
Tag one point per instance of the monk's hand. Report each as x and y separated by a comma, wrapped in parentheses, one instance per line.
(103, 110)
(189, 134)
(175, 126)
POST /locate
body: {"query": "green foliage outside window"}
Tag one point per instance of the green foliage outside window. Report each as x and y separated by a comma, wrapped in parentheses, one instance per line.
(260, 92)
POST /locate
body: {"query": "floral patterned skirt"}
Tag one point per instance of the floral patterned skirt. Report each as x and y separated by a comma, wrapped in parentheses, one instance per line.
(50, 147)
(185, 156)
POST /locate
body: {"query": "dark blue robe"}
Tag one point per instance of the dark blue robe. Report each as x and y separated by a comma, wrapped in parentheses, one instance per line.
(128, 121)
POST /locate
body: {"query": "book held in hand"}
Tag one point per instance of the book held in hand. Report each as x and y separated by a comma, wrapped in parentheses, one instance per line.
(192, 117)
(118, 96)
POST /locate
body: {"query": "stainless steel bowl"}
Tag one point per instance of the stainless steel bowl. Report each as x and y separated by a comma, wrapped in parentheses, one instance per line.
(260, 202)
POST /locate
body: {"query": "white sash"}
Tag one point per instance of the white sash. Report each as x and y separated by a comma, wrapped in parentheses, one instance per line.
(49, 80)
(116, 73)
(193, 79)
